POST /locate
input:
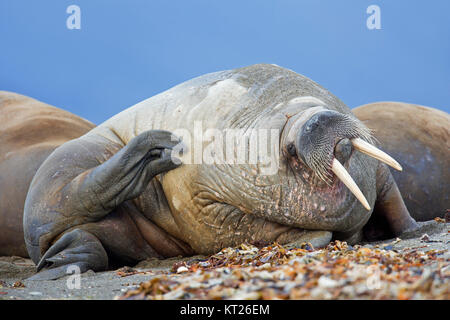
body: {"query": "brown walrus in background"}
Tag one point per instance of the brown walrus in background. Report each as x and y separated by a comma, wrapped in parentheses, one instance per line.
(29, 131)
(91, 202)
(418, 138)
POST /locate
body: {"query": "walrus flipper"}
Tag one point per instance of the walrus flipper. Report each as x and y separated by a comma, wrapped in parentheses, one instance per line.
(76, 248)
(390, 216)
(93, 191)
(126, 174)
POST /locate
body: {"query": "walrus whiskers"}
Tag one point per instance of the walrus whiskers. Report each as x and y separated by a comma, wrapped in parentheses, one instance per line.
(376, 153)
(345, 177)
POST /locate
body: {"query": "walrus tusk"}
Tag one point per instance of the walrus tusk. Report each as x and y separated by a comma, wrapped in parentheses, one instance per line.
(344, 176)
(376, 153)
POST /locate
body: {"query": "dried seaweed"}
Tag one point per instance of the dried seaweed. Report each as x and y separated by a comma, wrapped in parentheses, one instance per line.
(338, 271)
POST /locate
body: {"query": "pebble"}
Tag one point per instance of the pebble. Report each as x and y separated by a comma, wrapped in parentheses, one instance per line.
(326, 282)
(446, 271)
(182, 269)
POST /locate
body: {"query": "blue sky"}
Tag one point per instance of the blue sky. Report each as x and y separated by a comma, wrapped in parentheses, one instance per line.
(129, 50)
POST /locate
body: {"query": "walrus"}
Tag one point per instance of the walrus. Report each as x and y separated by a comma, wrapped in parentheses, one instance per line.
(29, 132)
(117, 194)
(419, 138)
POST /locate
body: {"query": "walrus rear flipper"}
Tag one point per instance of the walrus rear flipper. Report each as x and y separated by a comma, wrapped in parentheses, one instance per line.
(77, 250)
(390, 216)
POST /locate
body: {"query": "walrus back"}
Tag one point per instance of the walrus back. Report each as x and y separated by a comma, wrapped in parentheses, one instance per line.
(29, 131)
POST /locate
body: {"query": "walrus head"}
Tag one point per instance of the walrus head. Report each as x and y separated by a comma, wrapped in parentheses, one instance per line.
(324, 141)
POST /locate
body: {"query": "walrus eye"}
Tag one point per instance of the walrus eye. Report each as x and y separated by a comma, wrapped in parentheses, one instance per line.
(291, 149)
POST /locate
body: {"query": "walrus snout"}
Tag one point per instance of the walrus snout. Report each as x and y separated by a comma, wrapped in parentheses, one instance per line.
(320, 124)
(326, 136)
(326, 141)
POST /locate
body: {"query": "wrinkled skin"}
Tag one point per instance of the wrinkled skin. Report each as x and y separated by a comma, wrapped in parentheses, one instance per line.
(115, 196)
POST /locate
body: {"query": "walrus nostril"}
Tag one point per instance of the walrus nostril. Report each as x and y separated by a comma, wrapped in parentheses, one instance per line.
(343, 150)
